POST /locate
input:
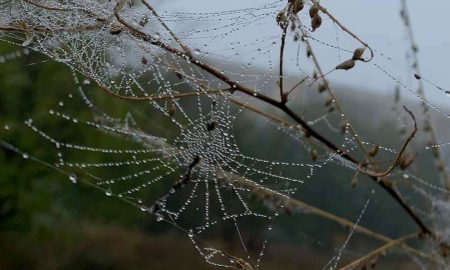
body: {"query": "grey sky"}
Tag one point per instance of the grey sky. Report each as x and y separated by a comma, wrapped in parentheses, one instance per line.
(375, 21)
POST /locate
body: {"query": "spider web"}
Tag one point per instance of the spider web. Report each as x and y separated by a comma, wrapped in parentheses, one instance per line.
(181, 135)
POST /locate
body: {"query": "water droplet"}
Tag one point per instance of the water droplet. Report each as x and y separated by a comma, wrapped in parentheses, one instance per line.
(108, 192)
(6, 127)
(73, 178)
(25, 155)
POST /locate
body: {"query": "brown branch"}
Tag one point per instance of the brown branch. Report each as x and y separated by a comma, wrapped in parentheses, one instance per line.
(267, 99)
(283, 96)
(293, 206)
(281, 106)
(162, 97)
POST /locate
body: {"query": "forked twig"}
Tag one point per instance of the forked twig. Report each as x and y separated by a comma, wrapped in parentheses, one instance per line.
(399, 155)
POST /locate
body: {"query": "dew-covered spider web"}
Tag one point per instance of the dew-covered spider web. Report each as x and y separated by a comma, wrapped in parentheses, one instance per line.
(167, 111)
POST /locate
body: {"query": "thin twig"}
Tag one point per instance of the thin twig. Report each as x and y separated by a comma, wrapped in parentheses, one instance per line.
(345, 29)
(379, 251)
(428, 122)
(399, 155)
(283, 96)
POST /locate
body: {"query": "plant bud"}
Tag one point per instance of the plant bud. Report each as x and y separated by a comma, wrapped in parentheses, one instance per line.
(329, 101)
(314, 10)
(172, 110)
(374, 151)
(406, 160)
(346, 65)
(313, 154)
(281, 19)
(354, 180)
(358, 53)
(115, 29)
(144, 60)
(323, 87)
(297, 6)
(316, 22)
(308, 52)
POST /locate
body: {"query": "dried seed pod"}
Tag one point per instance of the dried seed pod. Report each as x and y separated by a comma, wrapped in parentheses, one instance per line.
(316, 22)
(144, 60)
(314, 10)
(346, 65)
(358, 53)
(243, 264)
(115, 29)
(374, 151)
(417, 76)
(313, 154)
(329, 101)
(172, 110)
(297, 6)
(354, 180)
(323, 87)
(315, 75)
(281, 19)
(308, 51)
(406, 160)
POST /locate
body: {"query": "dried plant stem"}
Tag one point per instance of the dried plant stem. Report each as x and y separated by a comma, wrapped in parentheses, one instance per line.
(431, 129)
(292, 206)
(153, 11)
(283, 97)
(330, 91)
(343, 28)
(163, 97)
(378, 252)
